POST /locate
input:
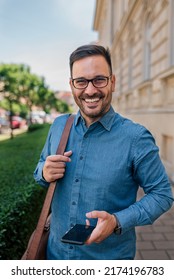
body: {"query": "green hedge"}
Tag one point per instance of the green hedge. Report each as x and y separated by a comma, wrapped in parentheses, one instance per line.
(34, 126)
(20, 197)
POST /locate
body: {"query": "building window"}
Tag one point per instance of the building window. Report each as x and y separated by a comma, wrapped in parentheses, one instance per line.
(147, 50)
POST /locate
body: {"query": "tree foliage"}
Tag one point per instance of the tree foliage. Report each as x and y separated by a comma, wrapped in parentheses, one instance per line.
(17, 83)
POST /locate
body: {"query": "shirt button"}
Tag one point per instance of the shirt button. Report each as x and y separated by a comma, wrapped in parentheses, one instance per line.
(81, 157)
(76, 180)
(71, 247)
(86, 135)
(73, 203)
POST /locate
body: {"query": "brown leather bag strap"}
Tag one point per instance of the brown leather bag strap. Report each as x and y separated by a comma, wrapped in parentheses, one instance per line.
(32, 252)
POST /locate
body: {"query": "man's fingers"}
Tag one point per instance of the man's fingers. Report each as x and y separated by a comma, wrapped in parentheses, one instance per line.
(87, 222)
(96, 214)
(105, 225)
(93, 237)
(55, 165)
(57, 171)
(68, 154)
(58, 158)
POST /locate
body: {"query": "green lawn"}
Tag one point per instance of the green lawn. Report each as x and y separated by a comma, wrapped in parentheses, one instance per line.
(19, 194)
(18, 159)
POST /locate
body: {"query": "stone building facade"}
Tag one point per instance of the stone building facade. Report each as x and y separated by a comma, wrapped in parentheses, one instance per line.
(140, 35)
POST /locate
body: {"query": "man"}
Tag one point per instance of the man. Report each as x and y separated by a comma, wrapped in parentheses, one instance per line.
(107, 158)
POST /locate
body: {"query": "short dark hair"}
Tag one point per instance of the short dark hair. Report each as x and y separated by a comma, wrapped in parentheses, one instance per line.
(89, 50)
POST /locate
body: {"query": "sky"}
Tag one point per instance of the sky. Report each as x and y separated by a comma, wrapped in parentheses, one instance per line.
(43, 33)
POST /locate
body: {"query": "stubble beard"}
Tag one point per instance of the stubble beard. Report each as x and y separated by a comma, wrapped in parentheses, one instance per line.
(93, 114)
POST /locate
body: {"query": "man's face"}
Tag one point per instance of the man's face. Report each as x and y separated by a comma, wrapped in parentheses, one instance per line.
(93, 102)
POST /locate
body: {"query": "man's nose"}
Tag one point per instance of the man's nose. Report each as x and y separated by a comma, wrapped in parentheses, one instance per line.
(90, 89)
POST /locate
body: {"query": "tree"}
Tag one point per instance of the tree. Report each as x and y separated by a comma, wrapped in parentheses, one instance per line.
(47, 99)
(10, 75)
(17, 82)
(29, 88)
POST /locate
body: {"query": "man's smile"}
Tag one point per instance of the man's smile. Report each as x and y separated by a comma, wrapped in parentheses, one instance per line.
(91, 100)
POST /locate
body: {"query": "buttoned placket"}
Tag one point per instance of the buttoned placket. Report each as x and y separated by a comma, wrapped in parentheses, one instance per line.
(86, 134)
(77, 181)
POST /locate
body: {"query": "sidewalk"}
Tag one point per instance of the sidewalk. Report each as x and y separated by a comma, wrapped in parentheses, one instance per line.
(156, 242)
(6, 135)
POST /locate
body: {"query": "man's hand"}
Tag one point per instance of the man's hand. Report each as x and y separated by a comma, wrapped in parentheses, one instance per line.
(105, 226)
(54, 167)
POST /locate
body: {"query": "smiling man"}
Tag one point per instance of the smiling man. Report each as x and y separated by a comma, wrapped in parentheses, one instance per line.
(107, 159)
(92, 84)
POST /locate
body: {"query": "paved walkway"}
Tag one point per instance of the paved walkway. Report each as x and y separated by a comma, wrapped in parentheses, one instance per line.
(156, 242)
(6, 134)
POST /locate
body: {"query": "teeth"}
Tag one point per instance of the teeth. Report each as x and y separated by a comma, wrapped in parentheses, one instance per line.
(91, 100)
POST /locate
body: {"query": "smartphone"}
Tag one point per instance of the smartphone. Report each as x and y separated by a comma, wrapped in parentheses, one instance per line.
(78, 234)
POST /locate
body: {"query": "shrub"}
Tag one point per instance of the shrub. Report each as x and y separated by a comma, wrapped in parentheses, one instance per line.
(20, 197)
(35, 126)
(17, 224)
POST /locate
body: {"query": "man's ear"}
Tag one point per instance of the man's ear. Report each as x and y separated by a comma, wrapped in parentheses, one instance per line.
(70, 83)
(113, 81)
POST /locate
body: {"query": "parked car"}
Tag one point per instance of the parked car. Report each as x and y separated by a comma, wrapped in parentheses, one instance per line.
(17, 122)
(37, 119)
(4, 124)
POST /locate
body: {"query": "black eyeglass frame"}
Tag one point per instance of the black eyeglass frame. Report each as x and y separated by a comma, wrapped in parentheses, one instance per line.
(92, 80)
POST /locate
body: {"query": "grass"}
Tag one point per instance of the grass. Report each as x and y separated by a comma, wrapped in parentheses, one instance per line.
(20, 197)
(19, 157)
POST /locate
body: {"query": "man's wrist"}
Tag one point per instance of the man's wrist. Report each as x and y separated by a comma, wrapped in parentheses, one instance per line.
(43, 178)
(117, 229)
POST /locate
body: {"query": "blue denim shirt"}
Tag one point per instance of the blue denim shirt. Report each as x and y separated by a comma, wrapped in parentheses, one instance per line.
(110, 160)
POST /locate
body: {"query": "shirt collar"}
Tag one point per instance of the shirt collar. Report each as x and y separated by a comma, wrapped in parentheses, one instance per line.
(106, 121)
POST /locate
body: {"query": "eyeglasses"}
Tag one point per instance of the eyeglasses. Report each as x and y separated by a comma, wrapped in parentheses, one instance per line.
(98, 82)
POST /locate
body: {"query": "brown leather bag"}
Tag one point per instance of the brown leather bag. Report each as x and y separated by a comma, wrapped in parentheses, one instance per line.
(36, 248)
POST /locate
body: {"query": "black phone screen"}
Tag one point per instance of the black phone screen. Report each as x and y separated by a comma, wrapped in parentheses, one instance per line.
(78, 234)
